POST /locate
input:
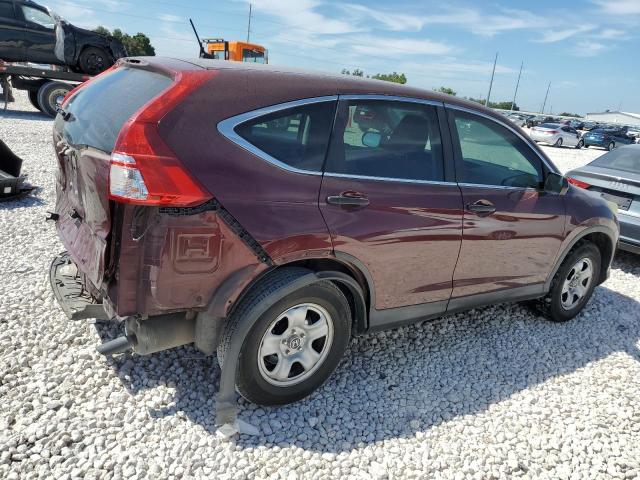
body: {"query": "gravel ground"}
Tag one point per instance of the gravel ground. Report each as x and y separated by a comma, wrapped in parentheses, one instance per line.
(493, 393)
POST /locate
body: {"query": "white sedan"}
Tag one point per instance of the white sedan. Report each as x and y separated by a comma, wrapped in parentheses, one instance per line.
(557, 135)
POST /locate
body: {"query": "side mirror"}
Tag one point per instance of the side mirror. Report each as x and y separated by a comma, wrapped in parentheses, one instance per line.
(371, 139)
(556, 183)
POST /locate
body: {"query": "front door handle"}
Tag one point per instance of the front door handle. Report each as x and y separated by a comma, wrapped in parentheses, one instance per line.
(348, 199)
(482, 207)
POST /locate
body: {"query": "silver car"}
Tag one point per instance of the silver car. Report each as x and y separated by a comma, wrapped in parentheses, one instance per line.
(557, 135)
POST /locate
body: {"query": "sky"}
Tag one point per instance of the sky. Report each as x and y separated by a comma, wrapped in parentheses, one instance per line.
(588, 49)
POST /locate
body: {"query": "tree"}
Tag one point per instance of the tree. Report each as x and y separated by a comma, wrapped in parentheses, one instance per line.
(447, 90)
(388, 77)
(136, 45)
(391, 77)
(356, 73)
(506, 105)
(567, 114)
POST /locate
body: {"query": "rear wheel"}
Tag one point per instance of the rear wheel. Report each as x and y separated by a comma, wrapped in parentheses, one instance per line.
(94, 60)
(50, 96)
(33, 98)
(611, 146)
(294, 346)
(558, 143)
(573, 284)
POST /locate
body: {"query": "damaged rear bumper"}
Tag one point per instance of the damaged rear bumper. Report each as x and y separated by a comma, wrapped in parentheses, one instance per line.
(68, 288)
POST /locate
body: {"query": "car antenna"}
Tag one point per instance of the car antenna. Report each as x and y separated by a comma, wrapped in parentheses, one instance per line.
(203, 54)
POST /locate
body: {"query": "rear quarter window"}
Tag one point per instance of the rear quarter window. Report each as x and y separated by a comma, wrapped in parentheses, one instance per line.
(296, 137)
(99, 110)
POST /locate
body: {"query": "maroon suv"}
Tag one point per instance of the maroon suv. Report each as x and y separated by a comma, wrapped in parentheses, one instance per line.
(271, 214)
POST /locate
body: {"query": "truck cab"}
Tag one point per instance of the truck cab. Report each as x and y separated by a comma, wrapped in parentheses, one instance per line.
(221, 49)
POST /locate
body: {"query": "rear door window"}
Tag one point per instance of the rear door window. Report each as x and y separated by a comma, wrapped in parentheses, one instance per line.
(491, 154)
(99, 110)
(387, 139)
(296, 137)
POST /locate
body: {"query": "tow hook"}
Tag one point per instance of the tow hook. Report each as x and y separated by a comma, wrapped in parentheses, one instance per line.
(52, 216)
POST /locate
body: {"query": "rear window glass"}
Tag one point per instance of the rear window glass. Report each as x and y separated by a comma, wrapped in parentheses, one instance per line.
(549, 125)
(99, 110)
(625, 159)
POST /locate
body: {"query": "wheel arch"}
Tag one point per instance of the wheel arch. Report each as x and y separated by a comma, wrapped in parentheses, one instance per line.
(602, 238)
(349, 278)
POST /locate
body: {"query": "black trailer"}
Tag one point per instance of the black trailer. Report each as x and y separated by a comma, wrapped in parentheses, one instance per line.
(46, 87)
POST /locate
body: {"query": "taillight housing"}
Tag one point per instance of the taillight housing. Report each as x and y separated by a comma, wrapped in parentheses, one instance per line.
(578, 183)
(144, 170)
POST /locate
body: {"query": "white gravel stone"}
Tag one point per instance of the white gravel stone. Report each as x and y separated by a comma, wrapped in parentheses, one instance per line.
(493, 393)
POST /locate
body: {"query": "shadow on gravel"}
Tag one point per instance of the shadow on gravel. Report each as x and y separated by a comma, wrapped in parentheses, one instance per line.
(23, 115)
(30, 200)
(409, 380)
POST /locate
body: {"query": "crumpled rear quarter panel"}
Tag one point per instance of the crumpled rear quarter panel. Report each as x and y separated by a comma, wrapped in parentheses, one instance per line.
(178, 261)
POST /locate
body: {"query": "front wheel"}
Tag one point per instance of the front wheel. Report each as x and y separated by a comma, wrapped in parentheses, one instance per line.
(580, 144)
(294, 346)
(573, 284)
(611, 146)
(33, 98)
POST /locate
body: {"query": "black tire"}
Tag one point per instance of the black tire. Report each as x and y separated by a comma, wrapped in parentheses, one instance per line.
(580, 144)
(94, 60)
(558, 143)
(611, 146)
(551, 305)
(50, 95)
(586, 146)
(250, 382)
(33, 98)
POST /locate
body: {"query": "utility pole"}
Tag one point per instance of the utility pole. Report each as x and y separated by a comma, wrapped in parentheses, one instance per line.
(486, 102)
(249, 25)
(544, 104)
(517, 85)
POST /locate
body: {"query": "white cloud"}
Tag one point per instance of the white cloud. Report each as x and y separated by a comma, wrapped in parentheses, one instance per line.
(393, 47)
(303, 15)
(619, 7)
(587, 48)
(558, 35)
(390, 20)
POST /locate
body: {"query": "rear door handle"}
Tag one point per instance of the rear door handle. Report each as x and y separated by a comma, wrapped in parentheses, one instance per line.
(348, 199)
(482, 207)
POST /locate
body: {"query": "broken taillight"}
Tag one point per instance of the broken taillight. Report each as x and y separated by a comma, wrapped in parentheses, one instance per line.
(144, 170)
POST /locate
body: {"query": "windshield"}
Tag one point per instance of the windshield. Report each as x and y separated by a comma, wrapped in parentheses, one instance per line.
(550, 125)
(254, 56)
(626, 159)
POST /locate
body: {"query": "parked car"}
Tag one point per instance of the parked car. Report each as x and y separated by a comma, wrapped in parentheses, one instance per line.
(616, 177)
(30, 32)
(577, 124)
(608, 138)
(535, 121)
(273, 226)
(519, 120)
(557, 135)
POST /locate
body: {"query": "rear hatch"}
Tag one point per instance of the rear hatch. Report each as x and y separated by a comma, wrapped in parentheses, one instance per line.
(84, 137)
